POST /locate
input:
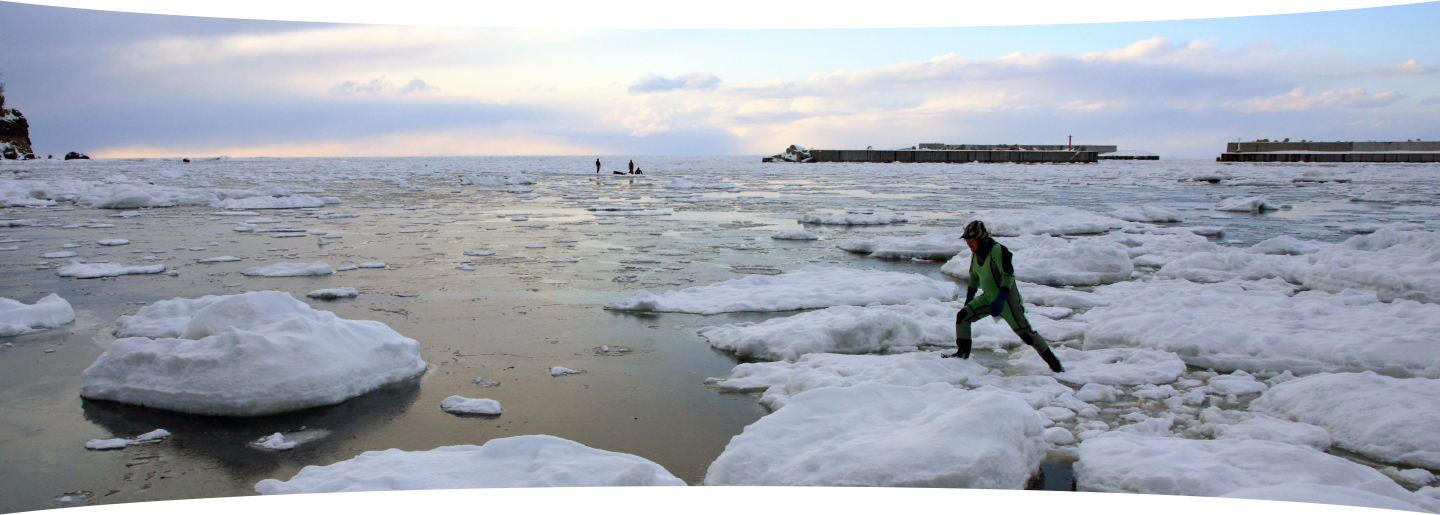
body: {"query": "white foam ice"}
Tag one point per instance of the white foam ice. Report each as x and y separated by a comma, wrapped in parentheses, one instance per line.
(1246, 204)
(515, 462)
(250, 354)
(1245, 326)
(1385, 418)
(871, 434)
(467, 406)
(97, 270)
(1148, 213)
(287, 269)
(1121, 462)
(333, 293)
(1120, 366)
(807, 288)
(794, 235)
(1393, 264)
(18, 317)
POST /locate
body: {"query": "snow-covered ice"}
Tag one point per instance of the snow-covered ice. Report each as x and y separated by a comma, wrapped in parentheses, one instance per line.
(515, 462)
(18, 317)
(807, 288)
(97, 270)
(852, 219)
(98, 444)
(1246, 204)
(780, 380)
(1388, 419)
(468, 406)
(1119, 366)
(333, 293)
(1149, 213)
(925, 436)
(287, 269)
(250, 354)
(794, 235)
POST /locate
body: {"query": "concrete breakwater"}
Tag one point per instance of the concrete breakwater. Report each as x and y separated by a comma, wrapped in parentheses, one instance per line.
(987, 154)
(1332, 152)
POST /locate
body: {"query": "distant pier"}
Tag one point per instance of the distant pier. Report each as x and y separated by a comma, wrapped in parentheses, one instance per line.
(1332, 152)
(953, 156)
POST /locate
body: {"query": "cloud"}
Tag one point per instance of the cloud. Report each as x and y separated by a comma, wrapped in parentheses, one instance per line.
(381, 86)
(1430, 101)
(652, 83)
(1299, 99)
(417, 86)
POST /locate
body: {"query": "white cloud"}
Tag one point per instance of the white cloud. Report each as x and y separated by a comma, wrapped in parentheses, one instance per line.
(652, 83)
(381, 86)
(1300, 99)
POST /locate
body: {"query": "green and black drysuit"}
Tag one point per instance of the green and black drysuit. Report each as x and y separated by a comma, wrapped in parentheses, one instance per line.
(992, 272)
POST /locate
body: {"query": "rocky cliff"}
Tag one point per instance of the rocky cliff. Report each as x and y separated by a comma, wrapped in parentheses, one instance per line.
(14, 132)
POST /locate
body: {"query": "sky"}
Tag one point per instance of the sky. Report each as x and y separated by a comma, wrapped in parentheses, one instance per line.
(141, 85)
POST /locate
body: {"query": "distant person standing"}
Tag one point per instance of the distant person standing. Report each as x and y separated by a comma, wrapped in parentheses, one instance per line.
(992, 272)
(632, 166)
(597, 166)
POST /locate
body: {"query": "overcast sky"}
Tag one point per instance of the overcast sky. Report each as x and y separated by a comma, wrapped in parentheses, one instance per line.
(130, 85)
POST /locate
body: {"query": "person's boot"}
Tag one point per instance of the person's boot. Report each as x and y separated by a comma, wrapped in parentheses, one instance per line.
(962, 349)
(1053, 361)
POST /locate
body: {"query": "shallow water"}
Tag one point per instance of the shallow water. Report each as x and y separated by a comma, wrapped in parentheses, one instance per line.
(519, 312)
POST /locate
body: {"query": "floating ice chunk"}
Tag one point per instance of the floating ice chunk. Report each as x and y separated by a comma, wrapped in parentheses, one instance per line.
(1055, 224)
(782, 380)
(1388, 419)
(220, 259)
(121, 443)
(852, 219)
(58, 255)
(131, 198)
(1094, 392)
(479, 253)
(1061, 298)
(246, 228)
(1287, 246)
(1054, 261)
(1246, 204)
(807, 288)
(467, 406)
(515, 462)
(113, 242)
(1148, 213)
(251, 354)
(275, 442)
(881, 435)
(1214, 267)
(1409, 478)
(840, 329)
(287, 269)
(1227, 327)
(518, 189)
(934, 246)
(1263, 427)
(1109, 366)
(264, 202)
(614, 207)
(96, 270)
(1120, 462)
(556, 371)
(371, 264)
(333, 293)
(794, 235)
(1393, 264)
(17, 317)
(1235, 383)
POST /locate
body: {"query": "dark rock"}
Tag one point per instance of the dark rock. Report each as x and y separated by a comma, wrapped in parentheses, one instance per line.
(75, 155)
(14, 132)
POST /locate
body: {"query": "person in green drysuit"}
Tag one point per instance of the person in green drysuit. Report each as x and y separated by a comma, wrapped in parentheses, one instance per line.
(992, 273)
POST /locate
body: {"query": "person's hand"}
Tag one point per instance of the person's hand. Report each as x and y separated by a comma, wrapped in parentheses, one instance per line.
(997, 307)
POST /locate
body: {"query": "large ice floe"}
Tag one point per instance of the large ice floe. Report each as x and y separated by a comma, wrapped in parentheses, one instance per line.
(1394, 264)
(250, 354)
(925, 436)
(287, 269)
(515, 462)
(871, 328)
(1246, 204)
(1121, 462)
(807, 288)
(1055, 261)
(18, 317)
(1120, 366)
(1055, 224)
(97, 270)
(935, 246)
(1149, 213)
(1385, 418)
(1229, 326)
(780, 380)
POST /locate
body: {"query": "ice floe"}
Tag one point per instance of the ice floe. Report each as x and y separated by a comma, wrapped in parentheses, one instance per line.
(99, 444)
(1385, 418)
(97, 270)
(250, 354)
(467, 406)
(515, 462)
(1149, 213)
(333, 293)
(807, 288)
(781, 380)
(794, 235)
(287, 269)
(1393, 264)
(18, 317)
(1246, 204)
(852, 219)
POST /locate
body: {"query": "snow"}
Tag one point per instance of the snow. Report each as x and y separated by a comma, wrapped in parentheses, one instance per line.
(250, 354)
(1244, 326)
(262, 202)
(96, 270)
(881, 435)
(18, 318)
(807, 288)
(1263, 427)
(515, 462)
(1120, 462)
(852, 219)
(1148, 213)
(1246, 204)
(782, 380)
(1385, 418)
(1120, 367)
(467, 406)
(287, 269)
(1394, 264)
(333, 293)
(113, 242)
(794, 235)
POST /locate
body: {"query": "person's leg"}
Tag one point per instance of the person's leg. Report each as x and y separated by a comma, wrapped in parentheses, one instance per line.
(963, 319)
(1021, 325)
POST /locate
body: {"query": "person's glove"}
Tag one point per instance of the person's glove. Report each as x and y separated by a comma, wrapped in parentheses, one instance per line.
(969, 295)
(997, 307)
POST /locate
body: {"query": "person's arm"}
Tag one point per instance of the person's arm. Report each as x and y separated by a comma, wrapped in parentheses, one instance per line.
(1006, 281)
